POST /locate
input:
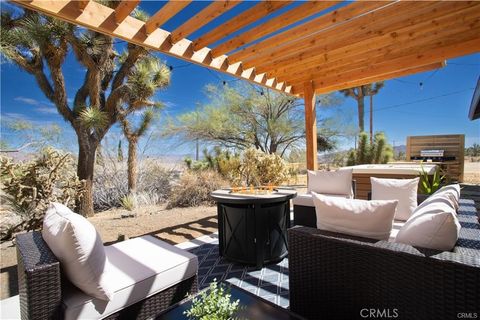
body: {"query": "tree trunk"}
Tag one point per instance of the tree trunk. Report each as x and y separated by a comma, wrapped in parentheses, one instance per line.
(361, 112)
(132, 165)
(371, 120)
(85, 169)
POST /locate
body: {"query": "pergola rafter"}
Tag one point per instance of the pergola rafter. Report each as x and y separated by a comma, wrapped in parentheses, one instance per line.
(309, 48)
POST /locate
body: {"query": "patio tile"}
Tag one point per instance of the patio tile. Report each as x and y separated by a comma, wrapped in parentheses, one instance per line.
(270, 282)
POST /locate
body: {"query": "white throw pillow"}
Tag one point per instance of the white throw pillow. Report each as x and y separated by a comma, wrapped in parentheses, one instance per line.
(433, 226)
(448, 194)
(371, 219)
(79, 248)
(403, 190)
(330, 182)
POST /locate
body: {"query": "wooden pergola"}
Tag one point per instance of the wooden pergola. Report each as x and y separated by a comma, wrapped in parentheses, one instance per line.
(305, 49)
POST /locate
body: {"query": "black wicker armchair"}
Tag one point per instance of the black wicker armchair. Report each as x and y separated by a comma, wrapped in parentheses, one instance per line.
(40, 285)
(334, 276)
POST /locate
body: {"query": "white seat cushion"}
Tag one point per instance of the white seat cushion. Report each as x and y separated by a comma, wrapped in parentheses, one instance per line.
(371, 219)
(306, 199)
(403, 190)
(449, 194)
(330, 182)
(397, 225)
(139, 268)
(433, 226)
(79, 248)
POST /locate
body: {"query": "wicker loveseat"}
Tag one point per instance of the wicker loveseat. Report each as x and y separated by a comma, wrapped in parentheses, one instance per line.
(334, 276)
(41, 285)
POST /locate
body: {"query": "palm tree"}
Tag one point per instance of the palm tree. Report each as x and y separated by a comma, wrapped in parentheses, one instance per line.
(39, 45)
(359, 93)
(371, 90)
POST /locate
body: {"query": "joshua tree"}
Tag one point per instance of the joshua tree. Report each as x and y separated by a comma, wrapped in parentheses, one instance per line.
(39, 45)
(359, 93)
(150, 74)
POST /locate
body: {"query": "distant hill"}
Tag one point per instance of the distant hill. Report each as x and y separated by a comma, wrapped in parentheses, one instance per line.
(401, 148)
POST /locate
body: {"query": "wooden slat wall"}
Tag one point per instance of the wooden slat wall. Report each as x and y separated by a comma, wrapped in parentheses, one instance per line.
(452, 144)
(363, 185)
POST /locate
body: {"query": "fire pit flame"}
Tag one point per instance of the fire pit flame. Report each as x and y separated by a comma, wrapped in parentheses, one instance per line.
(268, 189)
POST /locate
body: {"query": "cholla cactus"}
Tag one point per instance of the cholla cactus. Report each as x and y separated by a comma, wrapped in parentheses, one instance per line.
(379, 152)
(33, 185)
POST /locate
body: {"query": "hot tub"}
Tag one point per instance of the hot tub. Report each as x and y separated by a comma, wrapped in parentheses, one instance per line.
(362, 174)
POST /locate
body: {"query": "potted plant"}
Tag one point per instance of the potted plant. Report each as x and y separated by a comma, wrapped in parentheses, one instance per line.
(429, 185)
(213, 304)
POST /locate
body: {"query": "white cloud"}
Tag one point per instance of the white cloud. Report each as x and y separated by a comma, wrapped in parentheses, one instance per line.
(41, 106)
(29, 101)
(47, 110)
(14, 116)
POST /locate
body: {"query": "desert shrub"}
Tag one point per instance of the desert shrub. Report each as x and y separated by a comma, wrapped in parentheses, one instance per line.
(252, 167)
(31, 186)
(379, 152)
(129, 202)
(259, 168)
(111, 184)
(223, 161)
(194, 188)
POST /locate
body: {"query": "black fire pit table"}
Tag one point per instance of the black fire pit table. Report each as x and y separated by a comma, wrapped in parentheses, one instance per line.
(252, 228)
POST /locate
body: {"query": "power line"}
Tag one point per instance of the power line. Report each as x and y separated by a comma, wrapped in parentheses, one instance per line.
(464, 64)
(428, 78)
(423, 100)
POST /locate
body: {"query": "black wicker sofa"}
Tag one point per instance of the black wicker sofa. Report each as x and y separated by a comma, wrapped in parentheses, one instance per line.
(335, 276)
(40, 283)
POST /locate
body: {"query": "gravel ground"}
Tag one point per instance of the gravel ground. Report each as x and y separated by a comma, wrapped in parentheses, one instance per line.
(173, 226)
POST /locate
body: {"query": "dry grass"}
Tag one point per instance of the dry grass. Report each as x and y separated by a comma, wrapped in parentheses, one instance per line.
(194, 188)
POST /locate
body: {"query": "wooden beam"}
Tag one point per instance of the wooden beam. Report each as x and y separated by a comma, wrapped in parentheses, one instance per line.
(124, 8)
(421, 32)
(385, 71)
(310, 126)
(82, 4)
(247, 17)
(214, 10)
(298, 13)
(372, 25)
(380, 77)
(463, 47)
(170, 9)
(346, 36)
(357, 60)
(315, 25)
(100, 18)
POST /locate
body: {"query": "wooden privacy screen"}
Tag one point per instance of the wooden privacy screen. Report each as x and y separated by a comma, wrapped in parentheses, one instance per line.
(453, 146)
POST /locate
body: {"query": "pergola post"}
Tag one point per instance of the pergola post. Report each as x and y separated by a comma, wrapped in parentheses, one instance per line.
(310, 125)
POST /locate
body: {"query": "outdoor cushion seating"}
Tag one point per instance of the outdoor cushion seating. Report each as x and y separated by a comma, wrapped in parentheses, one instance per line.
(148, 275)
(337, 275)
(403, 190)
(331, 183)
(373, 219)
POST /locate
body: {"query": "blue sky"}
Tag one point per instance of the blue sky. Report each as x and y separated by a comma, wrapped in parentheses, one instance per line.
(402, 108)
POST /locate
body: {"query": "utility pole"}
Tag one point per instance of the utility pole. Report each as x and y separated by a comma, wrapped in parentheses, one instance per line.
(371, 120)
(196, 140)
